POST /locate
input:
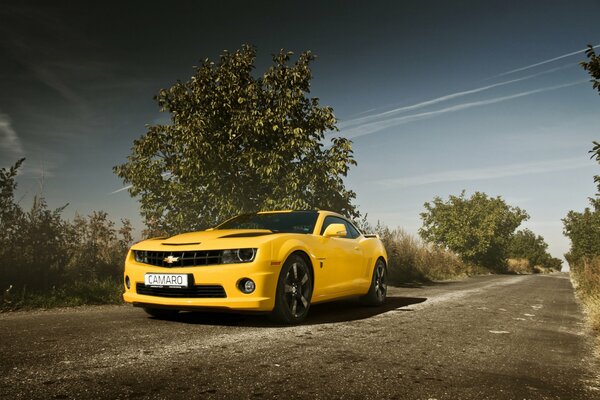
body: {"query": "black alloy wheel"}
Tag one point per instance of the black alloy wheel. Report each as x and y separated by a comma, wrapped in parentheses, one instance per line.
(294, 291)
(378, 290)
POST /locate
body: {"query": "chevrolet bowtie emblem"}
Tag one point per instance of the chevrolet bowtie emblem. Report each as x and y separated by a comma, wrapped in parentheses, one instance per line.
(171, 259)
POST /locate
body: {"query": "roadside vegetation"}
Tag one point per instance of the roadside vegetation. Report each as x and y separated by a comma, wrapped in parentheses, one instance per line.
(480, 230)
(412, 260)
(583, 229)
(463, 237)
(47, 261)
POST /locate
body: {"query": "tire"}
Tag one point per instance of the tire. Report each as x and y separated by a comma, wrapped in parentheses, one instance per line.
(378, 289)
(161, 313)
(294, 291)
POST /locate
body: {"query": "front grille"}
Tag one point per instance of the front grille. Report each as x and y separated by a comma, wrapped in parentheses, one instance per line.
(184, 258)
(195, 291)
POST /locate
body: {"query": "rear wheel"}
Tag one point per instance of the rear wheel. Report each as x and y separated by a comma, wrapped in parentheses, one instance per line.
(378, 290)
(294, 291)
(161, 313)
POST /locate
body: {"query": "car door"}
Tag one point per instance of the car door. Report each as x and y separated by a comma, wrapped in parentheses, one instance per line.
(343, 264)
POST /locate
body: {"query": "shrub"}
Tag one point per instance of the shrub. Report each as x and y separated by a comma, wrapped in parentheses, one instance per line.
(411, 260)
(46, 260)
(518, 266)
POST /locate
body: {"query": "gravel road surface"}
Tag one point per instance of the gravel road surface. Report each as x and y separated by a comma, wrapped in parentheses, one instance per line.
(488, 337)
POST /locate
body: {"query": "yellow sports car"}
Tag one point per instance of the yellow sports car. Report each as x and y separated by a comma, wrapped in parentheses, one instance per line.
(278, 262)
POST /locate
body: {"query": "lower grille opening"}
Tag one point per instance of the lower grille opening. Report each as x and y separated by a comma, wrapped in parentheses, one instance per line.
(194, 291)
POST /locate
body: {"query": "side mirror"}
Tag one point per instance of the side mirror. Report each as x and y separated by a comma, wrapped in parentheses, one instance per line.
(335, 230)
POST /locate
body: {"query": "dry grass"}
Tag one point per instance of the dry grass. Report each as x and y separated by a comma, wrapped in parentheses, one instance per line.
(522, 266)
(518, 266)
(586, 279)
(412, 260)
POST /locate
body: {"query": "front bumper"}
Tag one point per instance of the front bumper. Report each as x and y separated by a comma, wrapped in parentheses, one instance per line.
(226, 275)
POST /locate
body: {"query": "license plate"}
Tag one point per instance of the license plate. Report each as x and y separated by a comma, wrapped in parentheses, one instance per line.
(166, 280)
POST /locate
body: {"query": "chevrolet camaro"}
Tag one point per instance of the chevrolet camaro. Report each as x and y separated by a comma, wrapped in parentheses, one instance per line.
(276, 262)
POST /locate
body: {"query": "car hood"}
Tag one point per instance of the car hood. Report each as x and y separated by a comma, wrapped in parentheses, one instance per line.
(206, 240)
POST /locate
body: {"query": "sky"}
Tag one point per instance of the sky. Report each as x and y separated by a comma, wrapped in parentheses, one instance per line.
(437, 96)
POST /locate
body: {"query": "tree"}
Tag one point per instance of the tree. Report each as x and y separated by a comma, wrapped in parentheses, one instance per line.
(10, 213)
(592, 66)
(526, 244)
(583, 229)
(596, 155)
(238, 143)
(478, 228)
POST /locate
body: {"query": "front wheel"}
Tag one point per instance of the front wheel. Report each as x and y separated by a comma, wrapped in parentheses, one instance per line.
(294, 291)
(378, 290)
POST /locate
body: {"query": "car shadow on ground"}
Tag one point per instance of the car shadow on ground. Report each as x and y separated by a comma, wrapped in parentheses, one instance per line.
(327, 313)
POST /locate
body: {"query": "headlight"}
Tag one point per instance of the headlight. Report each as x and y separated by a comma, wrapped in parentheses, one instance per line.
(238, 256)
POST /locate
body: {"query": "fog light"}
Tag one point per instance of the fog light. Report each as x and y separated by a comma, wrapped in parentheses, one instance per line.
(247, 285)
(127, 282)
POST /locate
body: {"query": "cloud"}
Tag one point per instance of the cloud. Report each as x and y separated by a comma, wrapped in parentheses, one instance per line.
(477, 174)
(512, 71)
(9, 140)
(383, 123)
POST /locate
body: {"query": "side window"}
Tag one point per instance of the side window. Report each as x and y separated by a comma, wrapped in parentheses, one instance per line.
(332, 220)
(352, 232)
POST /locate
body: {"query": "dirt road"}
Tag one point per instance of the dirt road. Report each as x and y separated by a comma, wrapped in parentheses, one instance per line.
(491, 337)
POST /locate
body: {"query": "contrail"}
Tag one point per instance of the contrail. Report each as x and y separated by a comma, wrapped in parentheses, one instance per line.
(451, 96)
(122, 189)
(164, 175)
(375, 126)
(487, 173)
(544, 62)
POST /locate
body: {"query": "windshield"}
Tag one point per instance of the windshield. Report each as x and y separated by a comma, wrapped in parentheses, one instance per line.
(288, 222)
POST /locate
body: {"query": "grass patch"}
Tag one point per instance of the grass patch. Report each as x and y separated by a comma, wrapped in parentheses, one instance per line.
(93, 292)
(586, 279)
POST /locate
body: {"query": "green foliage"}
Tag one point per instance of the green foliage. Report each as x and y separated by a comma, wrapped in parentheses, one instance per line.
(237, 143)
(478, 228)
(596, 155)
(583, 229)
(525, 244)
(592, 66)
(46, 260)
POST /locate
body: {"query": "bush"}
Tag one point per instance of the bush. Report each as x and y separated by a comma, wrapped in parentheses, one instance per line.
(46, 260)
(518, 266)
